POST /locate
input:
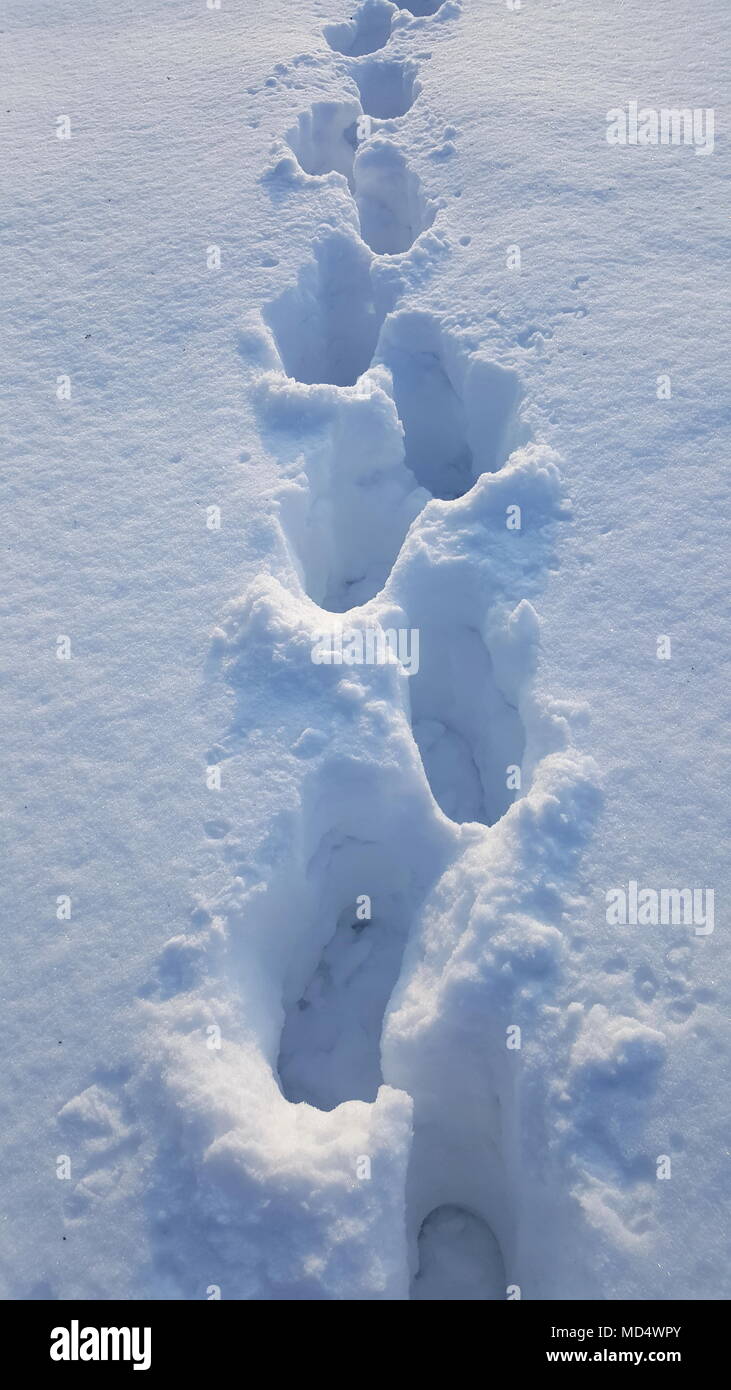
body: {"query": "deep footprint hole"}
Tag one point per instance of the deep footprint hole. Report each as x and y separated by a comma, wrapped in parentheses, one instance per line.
(346, 526)
(325, 138)
(459, 411)
(366, 32)
(388, 87)
(330, 1045)
(327, 325)
(467, 732)
(392, 208)
(459, 1259)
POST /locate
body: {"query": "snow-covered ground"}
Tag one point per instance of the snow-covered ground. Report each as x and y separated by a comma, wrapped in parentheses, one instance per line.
(331, 320)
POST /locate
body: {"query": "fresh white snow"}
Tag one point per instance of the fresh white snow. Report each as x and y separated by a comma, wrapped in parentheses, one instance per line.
(341, 328)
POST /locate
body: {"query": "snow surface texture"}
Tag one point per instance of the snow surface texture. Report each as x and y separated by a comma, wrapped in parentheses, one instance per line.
(323, 1099)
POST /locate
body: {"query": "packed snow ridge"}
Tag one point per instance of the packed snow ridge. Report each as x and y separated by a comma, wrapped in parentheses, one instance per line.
(365, 1124)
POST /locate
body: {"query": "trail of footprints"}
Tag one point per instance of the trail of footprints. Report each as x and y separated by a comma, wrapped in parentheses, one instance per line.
(459, 416)
(395, 416)
(387, 421)
(382, 415)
